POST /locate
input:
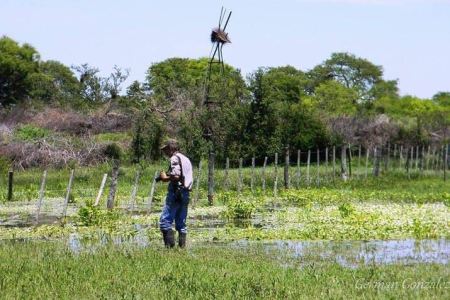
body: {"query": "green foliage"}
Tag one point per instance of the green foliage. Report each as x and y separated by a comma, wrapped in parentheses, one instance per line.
(280, 113)
(92, 86)
(442, 98)
(17, 64)
(296, 198)
(178, 79)
(148, 133)
(346, 209)
(55, 83)
(90, 215)
(116, 137)
(113, 151)
(352, 72)
(239, 208)
(335, 99)
(31, 133)
(5, 165)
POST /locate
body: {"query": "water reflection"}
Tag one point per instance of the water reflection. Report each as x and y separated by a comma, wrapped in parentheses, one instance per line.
(378, 252)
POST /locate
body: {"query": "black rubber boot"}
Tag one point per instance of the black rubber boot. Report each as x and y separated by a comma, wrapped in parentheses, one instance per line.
(169, 238)
(181, 240)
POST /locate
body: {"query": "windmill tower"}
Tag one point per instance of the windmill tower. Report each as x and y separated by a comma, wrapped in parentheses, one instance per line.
(219, 37)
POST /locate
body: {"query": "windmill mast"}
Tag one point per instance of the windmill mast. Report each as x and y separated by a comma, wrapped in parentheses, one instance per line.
(218, 37)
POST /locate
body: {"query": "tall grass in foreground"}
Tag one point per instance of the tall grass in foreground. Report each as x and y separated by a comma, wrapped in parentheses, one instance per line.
(47, 270)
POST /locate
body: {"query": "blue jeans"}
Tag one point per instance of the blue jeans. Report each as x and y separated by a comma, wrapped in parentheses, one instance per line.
(175, 210)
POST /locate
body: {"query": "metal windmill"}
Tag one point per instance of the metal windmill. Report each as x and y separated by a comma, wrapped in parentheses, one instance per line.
(219, 38)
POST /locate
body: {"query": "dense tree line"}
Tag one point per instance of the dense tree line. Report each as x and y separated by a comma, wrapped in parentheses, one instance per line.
(344, 100)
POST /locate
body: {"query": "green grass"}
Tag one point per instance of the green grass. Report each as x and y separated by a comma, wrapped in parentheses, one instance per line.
(393, 186)
(48, 270)
(117, 137)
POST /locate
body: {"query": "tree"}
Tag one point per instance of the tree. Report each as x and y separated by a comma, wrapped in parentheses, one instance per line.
(335, 99)
(92, 85)
(17, 64)
(442, 98)
(115, 80)
(351, 71)
(54, 82)
(177, 86)
(280, 112)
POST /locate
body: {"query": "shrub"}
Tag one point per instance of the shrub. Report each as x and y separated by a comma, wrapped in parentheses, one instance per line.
(113, 151)
(346, 209)
(89, 215)
(29, 132)
(5, 164)
(239, 208)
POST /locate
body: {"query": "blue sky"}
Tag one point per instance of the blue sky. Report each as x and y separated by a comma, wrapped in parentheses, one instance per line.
(409, 38)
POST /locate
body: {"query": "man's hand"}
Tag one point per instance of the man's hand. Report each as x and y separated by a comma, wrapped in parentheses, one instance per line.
(163, 176)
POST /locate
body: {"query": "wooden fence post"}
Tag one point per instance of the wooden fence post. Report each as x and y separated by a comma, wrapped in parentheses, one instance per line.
(275, 183)
(395, 157)
(134, 191)
(445, 161)
(334, 162)
(401, 156)
(252, 175)
(41, 196)
(197, 181)
(326, 164)
(422, 160)
(308, 178)
(10, 184)
(417, 158)
(286, 168)
(113, 185)
(151, 194)
(375, 153)
(318, 166)
(227, 178)
(211, 160)
(263, 175)
(359, 160)
(435, 158)
(100, 191)
(410, 162)
(388, 156)
(66, 200)
(367, 162)
(298, 174)
(240, 176)
(350, 158)
(427, 158)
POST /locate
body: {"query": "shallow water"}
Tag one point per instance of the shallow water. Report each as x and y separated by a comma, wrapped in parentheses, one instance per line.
(349, 254)
(377, 252)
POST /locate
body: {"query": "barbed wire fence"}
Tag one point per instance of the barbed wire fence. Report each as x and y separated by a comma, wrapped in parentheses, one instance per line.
(40, 202)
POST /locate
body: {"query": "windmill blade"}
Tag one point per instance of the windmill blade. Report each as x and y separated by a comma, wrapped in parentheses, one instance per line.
(226, 23)
(222, 13)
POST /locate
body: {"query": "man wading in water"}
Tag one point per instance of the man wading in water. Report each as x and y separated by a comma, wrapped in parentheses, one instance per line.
(175, 209)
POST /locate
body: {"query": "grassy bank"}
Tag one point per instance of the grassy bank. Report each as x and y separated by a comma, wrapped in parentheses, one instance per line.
(47, 270)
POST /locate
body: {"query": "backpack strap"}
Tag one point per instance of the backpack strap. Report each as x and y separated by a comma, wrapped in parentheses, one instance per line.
(181, 168)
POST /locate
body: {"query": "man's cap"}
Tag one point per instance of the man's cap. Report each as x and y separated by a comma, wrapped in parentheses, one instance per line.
(170, 143)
